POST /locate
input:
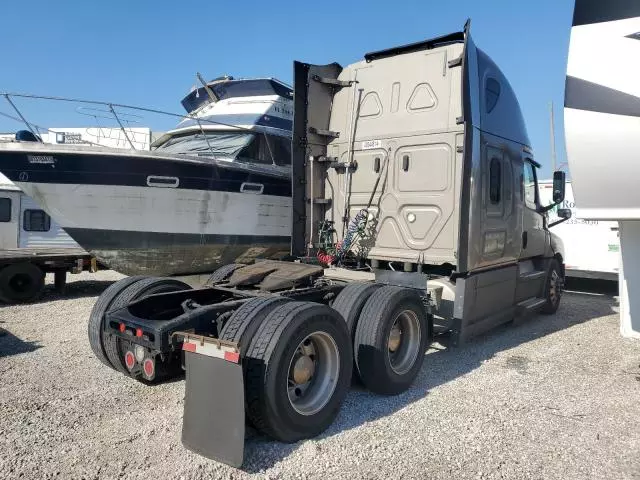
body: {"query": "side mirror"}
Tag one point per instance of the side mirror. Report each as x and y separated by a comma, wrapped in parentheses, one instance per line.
(564, 214)
(559, 182)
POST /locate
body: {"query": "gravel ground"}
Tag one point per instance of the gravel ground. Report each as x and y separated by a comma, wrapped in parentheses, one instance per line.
(555, 397)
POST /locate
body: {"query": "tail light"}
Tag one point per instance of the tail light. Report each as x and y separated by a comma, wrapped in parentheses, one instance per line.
(149, 368)
(129, 359)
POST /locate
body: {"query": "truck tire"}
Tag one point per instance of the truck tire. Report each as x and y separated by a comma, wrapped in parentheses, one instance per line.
(553, 288)
(136, 291)
(21, 283)
(223, 273)
(297, 371)
(351, 300)
(245, 321)
(96, 318)
(391, 340)
(349, 304)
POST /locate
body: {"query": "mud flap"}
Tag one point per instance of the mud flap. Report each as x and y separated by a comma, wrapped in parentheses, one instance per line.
(213, 422)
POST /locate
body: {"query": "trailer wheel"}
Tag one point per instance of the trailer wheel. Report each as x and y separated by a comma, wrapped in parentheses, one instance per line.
(297, 371)
(553, 288)
(96, 319)
(245, 321)
(136, 291)
(21, 283)
(223, 273)
(391, 339)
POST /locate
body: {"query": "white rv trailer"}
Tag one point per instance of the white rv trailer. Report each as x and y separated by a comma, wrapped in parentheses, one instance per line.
(31, 245)
(23, 224)
(592, 246)
(602, 131)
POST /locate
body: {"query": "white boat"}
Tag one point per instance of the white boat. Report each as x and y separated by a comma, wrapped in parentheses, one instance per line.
(214, 190)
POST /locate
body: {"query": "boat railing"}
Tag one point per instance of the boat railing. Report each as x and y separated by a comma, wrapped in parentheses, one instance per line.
(123, 115)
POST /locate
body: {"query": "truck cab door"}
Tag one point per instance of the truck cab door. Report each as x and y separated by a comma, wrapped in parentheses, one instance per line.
(534, 234)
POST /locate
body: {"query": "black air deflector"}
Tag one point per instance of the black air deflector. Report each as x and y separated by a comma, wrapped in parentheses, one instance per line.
(457, 37)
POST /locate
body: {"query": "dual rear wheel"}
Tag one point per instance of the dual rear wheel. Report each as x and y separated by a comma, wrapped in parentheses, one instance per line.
(390, 332)
(299, 357)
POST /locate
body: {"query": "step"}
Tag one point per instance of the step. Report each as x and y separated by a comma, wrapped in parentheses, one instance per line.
(532, 275)
(531, 303)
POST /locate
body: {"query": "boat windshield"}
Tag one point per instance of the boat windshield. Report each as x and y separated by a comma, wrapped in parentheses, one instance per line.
(214, 143)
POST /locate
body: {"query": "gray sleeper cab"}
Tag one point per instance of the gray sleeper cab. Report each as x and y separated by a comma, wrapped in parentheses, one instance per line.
(457, 199)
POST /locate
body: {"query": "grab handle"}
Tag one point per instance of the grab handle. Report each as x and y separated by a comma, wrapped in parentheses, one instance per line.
(248, 187)
(405, 162)
(163, 182)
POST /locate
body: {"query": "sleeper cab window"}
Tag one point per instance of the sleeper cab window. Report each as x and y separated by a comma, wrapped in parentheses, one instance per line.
(491, 93)
(5, 210)
(36, 221)
(495, 180)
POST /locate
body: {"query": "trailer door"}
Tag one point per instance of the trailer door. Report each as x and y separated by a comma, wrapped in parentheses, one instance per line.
(9, 213)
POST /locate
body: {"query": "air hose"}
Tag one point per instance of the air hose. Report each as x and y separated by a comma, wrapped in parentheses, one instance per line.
(355, 226)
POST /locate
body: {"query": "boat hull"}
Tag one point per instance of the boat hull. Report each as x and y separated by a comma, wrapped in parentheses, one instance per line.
(167, 254)
(197, 218)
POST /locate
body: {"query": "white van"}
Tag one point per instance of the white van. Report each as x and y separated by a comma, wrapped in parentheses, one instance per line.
(592, 246)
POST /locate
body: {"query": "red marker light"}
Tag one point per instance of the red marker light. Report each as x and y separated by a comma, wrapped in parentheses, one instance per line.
(148, 367)
(138, 332)
(129, 360)
(122, 328)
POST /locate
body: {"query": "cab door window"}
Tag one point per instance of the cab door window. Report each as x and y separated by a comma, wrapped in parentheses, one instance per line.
(530, 186)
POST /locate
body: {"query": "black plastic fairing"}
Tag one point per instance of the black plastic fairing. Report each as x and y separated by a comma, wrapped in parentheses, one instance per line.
(312, 112)
(298, 157)
(463, 233)
(457, 37)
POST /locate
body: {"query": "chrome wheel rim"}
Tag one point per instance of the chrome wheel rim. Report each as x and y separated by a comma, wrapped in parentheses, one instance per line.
(313, 373)
(403, 343)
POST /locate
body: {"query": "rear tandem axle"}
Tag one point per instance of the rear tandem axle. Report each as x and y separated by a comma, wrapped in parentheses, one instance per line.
(283, 340)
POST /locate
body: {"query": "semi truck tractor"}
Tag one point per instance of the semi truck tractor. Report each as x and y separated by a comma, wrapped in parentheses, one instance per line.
(415, 212)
